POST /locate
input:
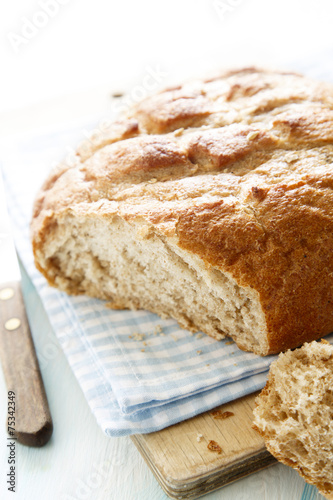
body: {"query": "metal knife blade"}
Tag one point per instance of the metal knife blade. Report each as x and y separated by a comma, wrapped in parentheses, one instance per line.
(29, 419)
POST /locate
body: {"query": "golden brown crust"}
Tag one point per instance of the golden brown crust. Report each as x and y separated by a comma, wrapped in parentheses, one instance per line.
(239, 170)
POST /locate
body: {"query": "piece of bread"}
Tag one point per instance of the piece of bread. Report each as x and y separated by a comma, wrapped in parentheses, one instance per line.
(294, 413)
(211, 203)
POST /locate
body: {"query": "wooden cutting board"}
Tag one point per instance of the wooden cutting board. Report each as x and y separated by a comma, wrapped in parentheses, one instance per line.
(187, 469)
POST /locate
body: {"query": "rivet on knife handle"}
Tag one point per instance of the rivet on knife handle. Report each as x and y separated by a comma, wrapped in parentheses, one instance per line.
(33, 423)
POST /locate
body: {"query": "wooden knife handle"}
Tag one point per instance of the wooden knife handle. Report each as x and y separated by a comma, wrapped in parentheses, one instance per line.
(32, 419)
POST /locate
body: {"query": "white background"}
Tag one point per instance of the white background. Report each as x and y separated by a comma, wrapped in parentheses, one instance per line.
(66, 70)
(100, 44)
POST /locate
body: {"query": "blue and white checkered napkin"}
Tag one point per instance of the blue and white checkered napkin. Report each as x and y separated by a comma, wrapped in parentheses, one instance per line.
(139, 373)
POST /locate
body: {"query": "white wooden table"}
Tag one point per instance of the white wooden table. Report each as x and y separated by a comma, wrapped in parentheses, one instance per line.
(80, 462)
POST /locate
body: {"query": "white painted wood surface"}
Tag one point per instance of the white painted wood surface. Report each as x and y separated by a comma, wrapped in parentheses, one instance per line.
(80, 462)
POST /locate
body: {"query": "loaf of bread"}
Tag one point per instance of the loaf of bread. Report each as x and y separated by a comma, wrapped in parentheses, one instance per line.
(294, 413)
(211, 203)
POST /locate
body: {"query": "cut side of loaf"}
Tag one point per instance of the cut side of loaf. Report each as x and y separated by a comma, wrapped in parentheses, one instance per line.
(211, 203)
(294, 413)
(134, 268)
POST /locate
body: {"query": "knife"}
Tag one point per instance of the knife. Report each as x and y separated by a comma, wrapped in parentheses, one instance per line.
(28, 415)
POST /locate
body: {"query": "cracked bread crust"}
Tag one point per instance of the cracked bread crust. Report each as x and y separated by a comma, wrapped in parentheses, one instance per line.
(238, 171)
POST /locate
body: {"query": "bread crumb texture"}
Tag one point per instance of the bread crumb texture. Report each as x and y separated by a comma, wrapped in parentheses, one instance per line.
(221, 415)
(211, 203)
(214, 446)
(294, 413)
(199, 437)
